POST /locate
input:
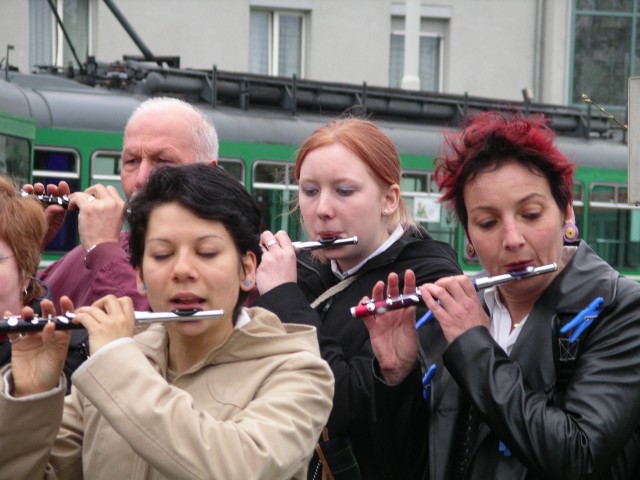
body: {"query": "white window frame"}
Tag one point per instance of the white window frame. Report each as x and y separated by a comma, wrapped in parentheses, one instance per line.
(440, 86)
(273, 33)
(59, 41)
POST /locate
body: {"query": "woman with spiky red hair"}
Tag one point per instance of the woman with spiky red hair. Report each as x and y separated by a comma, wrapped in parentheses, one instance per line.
(535, 378)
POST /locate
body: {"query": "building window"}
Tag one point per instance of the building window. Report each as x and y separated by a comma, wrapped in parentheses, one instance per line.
(48, 44)
(429, 70)
(276, 43)
(605, 50)
(433, 30)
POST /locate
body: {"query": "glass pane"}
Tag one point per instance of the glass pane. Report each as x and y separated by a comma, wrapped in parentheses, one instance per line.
(623, 195)
(613, 234)
(603, 193)
(272, 173)
(234, 167)
(40, 33)
(259, 42)
(51, 166)
(396, 60)
(106, 164)
(601, 59)
(58, 161)
(289, 45)
(637, 52)
(75, 15)
(605, 5)
(279, 212)
(414, 182)
(429, 68)
(105, 169)
(14, 159)
(578, 192)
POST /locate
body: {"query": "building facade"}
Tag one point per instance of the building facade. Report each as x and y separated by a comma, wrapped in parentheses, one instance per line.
(549, 50)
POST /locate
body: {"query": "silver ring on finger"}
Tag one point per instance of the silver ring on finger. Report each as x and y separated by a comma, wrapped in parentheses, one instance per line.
(270, 244)
(16, 340)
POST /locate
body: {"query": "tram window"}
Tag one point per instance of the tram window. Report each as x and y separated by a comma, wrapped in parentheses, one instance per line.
(420, 193)
(275, 192)
(614, 226)
(105, 169)
(234, 166)
(15, 158)
(51, 165)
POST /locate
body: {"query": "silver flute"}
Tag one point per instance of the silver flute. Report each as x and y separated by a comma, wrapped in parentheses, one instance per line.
(324, 243)
(414, 298)
(17, 324)
(62, 200)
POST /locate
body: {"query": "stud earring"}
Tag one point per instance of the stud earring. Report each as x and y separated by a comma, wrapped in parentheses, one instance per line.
(570, 233)
(385, 212)
(143, 287)
(247, 283)
(470, 250)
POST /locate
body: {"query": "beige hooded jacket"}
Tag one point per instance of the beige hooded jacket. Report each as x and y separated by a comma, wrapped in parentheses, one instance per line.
(253, 409)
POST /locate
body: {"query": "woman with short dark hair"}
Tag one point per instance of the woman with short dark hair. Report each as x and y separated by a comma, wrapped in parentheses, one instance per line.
(239, 395)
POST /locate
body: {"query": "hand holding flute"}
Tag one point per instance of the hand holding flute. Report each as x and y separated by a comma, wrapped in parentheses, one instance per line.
(38, 358)
(453, 299)
(56, 200)
(278, 265)
(414, 298)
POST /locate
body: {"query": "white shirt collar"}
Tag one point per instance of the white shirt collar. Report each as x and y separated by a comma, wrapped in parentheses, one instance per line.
(397, 233)
(500, 323)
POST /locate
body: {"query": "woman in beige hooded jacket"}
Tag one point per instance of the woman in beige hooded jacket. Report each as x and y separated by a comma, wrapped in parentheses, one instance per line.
(240, 396)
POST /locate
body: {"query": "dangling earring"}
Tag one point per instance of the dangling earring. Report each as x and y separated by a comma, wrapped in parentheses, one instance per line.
(470, 250)
(570, 233)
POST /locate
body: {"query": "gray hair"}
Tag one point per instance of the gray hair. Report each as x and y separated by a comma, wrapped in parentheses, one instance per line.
(204, 133)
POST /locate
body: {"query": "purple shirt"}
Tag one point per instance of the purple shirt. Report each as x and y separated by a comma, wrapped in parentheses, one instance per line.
(107, 271)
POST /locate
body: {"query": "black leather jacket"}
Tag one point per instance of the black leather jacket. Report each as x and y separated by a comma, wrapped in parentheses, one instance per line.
(580, 423)
(344, 341)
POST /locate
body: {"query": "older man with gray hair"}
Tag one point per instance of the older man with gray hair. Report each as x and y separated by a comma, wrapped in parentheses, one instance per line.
(161, 131)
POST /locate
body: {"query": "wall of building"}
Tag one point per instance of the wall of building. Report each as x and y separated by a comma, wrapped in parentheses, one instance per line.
(14, 30)
(489, 46)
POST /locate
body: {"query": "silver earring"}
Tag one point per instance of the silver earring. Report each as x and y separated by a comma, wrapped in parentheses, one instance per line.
(143, 287)
(247, 283)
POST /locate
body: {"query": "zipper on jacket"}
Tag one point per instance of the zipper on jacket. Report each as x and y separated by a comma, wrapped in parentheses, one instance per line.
(327, 305)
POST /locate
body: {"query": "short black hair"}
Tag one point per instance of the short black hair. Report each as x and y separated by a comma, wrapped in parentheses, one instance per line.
(209, 193)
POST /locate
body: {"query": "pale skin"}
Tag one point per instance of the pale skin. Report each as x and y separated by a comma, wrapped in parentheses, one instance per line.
(338, 197)
(510, 229)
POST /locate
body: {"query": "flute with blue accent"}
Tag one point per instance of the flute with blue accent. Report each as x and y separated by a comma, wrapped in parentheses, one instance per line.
(371, 307)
